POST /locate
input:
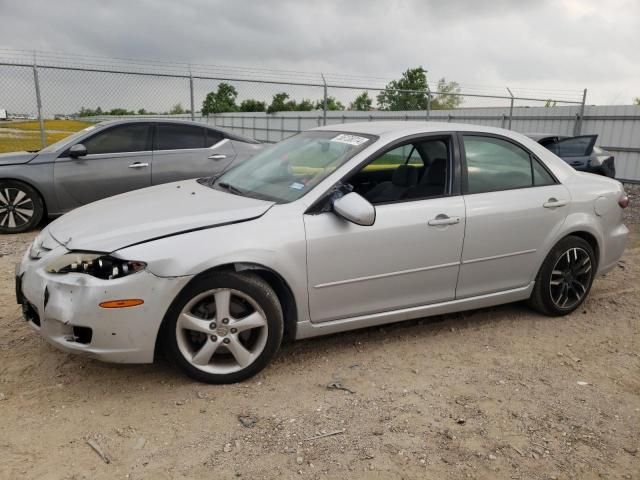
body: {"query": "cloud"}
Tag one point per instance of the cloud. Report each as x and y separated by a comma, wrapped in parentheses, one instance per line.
(528, 45)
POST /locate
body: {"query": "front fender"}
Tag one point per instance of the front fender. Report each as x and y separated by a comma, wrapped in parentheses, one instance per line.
(275, 241)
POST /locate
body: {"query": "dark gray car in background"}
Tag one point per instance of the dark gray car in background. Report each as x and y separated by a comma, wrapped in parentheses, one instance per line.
(111, 158)
(580, 152)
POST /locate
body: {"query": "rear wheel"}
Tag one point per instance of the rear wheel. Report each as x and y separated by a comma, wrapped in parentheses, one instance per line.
(21, 207)
(565, 278)
(224, 327)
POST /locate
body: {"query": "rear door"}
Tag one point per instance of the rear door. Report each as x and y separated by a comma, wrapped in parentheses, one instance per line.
(185, 151)
(576, 151)
(118, 160)
(514, 207)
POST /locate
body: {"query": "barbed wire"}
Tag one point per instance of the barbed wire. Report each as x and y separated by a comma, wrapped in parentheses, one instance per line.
(254, 73)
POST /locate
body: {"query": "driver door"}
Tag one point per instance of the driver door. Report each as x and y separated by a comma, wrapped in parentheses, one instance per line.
(409, 257)
(118, 160)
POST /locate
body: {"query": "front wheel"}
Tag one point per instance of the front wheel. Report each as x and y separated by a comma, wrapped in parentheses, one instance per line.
(565, 278)
(224, 327)
(21, 207)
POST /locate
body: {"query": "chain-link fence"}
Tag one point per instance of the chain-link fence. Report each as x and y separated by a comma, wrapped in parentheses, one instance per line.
(265, 104)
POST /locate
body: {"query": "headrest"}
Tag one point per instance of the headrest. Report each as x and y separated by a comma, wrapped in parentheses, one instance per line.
(405, 176)
(437, 172)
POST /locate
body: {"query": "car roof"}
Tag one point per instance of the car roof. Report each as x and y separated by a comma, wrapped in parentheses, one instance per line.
(401, 128)
(227, 133)
(541, 136)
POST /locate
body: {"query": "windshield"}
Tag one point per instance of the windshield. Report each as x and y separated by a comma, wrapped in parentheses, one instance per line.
(289, 169)
(54, 147)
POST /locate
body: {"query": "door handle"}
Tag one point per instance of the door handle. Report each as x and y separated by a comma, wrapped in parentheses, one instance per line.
(139, 165)
(443, 219)
(554, 203)
(217, 156)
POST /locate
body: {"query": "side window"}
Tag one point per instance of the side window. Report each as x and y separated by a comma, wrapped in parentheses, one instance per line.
(178, 137)
(573, 146)
(540, 175)
(124, 138)
(213, 137)
(494, 164)
(409, 172)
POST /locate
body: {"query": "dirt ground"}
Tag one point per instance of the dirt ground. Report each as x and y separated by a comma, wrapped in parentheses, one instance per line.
(495, 393)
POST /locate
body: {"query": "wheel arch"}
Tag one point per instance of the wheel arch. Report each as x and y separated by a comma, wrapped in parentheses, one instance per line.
(588, 237)
(274, 279)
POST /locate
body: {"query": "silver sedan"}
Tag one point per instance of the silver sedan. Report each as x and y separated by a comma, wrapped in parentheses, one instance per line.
(107, 159)
(334, 229)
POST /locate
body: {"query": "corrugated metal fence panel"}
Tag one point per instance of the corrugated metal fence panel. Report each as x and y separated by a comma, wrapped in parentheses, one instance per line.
(618, 126)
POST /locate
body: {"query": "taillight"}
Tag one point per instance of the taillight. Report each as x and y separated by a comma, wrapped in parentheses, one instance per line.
(623, 201)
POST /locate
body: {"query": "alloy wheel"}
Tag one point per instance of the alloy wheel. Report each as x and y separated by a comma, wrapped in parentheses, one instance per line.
(221, 331)
(570, 278)
(16, 208)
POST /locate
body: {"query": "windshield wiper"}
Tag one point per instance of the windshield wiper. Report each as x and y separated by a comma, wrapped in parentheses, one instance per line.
(231, 188)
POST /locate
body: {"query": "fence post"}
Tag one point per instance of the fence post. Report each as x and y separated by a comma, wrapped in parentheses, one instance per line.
(510, 108)
(254, 126)
(193, 112)
(43, 136)
(324, 101)
(268, 120)
(282, 128)
(428, 102)
(577, 129)
(299, 123)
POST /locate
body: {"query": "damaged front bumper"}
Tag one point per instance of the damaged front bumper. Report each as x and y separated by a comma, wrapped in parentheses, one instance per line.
(64, 309)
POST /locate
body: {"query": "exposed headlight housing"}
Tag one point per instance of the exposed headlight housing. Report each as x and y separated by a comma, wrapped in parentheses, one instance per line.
(100, 265)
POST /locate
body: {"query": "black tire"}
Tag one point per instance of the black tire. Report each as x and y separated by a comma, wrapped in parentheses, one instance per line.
(547, 296)
(248, 284)
(17, 199)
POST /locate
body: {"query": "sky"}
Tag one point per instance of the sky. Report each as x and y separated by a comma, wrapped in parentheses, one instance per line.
(532, 46)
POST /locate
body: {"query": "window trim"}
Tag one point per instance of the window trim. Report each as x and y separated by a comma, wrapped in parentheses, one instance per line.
(532, 158)
(453, 186)
(150, 139)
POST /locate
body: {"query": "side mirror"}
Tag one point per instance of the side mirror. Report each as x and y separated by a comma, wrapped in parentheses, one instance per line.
(356, 209)
(78, 150)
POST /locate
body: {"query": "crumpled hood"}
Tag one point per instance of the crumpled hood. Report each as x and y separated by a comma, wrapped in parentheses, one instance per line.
(149, 213)
(16, 158)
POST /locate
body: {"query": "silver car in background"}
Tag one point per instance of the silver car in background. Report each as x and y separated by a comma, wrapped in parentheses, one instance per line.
(111, 158)
(337, 228)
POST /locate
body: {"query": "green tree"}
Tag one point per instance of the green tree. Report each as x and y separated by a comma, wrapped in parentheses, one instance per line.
(407, 93)
(362, 102)
(636, 101)
(305, 105)
(251, 105)
(222, 100)
(332, 104)
(142, 111)
(88, 112)
(279, 103)
(177, 109)
(120, 111)
(550, 103)
(447, 96)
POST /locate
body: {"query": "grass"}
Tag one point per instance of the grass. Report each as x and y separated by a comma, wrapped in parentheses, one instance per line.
(26, 135)
(60, 125)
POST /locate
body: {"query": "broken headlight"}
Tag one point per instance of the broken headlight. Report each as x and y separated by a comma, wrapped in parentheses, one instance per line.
(100, 265)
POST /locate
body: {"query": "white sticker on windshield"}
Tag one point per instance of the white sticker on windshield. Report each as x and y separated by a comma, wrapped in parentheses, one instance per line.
(349, 139)
(297, 186)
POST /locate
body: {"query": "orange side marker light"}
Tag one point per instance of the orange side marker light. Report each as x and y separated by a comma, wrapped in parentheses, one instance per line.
(125, 303)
